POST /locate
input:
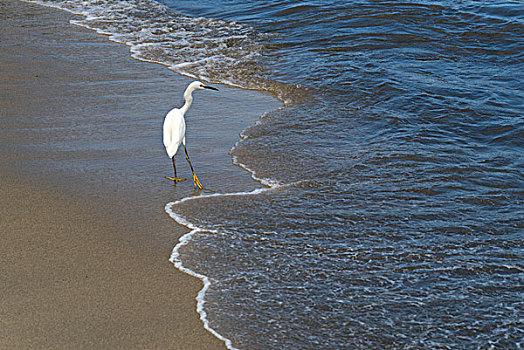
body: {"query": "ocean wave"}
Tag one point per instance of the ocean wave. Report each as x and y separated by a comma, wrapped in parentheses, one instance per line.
(268, 185)
(207, 49)
(185, 239)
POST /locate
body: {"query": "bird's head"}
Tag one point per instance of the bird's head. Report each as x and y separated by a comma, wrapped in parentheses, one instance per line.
(199, 85)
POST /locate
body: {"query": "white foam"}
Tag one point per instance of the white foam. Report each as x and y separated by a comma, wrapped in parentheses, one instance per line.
(269, 184)
(185, 239)
(194, 47)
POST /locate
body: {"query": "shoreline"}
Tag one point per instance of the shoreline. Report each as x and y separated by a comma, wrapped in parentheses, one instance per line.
(86, 239)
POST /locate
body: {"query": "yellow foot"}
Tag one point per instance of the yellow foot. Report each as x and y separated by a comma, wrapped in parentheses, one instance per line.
(196, 182)
(176, 179)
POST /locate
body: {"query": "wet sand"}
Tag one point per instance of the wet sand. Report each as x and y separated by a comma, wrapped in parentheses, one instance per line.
(85, 239)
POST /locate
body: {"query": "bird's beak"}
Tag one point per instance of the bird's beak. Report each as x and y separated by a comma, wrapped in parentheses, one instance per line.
(210, 87)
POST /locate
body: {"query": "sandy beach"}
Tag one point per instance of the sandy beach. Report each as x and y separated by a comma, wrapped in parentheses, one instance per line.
(85, 239)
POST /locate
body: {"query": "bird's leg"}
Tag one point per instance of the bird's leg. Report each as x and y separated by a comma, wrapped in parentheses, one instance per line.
(176, 179)
(196, 182)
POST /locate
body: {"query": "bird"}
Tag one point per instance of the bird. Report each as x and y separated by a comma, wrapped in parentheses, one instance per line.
(174, 130)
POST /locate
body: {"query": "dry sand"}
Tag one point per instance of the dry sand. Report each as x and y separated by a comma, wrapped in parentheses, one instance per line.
(85, 240)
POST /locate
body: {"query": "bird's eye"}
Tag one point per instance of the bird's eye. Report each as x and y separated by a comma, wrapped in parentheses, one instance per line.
(202, 85)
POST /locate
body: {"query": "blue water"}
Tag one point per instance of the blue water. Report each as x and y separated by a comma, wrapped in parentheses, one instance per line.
(407, 132)
(400, 153)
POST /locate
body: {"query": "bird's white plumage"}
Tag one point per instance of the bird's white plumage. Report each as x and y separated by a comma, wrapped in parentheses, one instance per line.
(174, 131)
(175, 124)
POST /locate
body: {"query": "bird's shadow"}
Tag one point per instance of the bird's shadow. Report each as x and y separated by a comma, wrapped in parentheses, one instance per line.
(197, 191)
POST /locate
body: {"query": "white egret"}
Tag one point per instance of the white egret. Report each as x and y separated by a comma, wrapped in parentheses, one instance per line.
(175, 130)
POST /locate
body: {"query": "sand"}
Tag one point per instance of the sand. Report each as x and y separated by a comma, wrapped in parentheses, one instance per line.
(70, 281)
(85, 239)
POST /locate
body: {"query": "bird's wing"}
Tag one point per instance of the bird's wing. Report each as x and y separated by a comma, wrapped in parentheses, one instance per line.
(174, 131)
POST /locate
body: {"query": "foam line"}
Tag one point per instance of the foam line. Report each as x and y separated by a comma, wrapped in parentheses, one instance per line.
(185, 239)
(269, 185)
(188, 62)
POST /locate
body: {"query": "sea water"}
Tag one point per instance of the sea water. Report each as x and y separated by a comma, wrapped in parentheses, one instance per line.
(390, 210)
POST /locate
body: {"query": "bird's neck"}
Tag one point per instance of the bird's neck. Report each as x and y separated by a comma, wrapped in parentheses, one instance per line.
(189, 100)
